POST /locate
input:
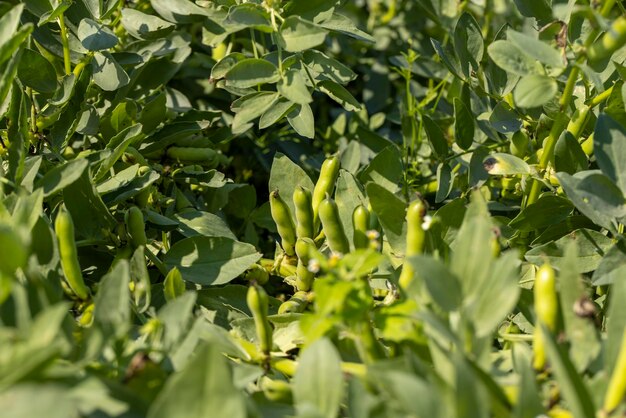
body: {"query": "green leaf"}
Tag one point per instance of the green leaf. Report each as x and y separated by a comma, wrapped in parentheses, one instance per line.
(204, 386)
(391, 212)
(274, 114)
(297, 34)
(173, 285)
(145, 26)
(468, 44)
(571, 384)
(579, 331)
(596, 196)
(313, 10)
(569, 156)
(548, 210)
(339, 94)
(536, 49)
(323, 67)
(302, 121)
(211, 260)
(463, 125)
(612, 266)
(251, 72)
(107, 73)
(436, 137)
(504, 119)
(251, 107)
(294, 88)
(445, 182)
(36, 72)
(534, 90)
(249, 15)
(609, 148)
(61, 176)
(95, 37)
(318, 386)
(385, 169)
(112, 302)
(591, 247)
(286, 176)
(539, 9)
(444, 287)
(194, 222)
(501, 164)
(180, 11)
(511, 58)
(346, 26)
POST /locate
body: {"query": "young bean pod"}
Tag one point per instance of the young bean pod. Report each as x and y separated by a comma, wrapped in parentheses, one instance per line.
(612, 40)
(304, 277)
(360, 222)
(304, 213)
(136, 227)
(256, 273)
(258, 303)
(284, 222)
(296, 304)
(415, 238)
(64, 228)
(617, 385)
(325, 185)
(546, 311)
(332, 226)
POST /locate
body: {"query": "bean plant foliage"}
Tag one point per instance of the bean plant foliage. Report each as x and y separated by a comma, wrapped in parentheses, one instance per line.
(322, 208)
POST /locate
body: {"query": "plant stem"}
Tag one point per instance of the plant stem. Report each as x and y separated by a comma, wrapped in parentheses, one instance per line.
(66, 45)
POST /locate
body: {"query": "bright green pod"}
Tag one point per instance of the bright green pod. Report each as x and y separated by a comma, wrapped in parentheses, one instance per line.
(296, 304)
(277, 390)
(258, 303)
(304, 277)
(304, 213)
(135, 225)
(325, 184)
(415, 238)
(546, 311)
(64, 228)
(587, 145)
(612, 40)
(577, 124)
(617, 385)
(360, 223)
(256, 273)
(284, 222)
(519, 144)
(333, 229)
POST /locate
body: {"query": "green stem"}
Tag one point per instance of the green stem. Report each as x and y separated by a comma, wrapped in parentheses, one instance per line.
(66, 45)
(157, 262)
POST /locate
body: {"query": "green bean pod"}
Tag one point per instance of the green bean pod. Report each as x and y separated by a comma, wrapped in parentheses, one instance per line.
(579, 119)
(296, 304)
(612, 40)
(325, 185)
(135, 226)
(519, 144)
(617, 385)
(284, 222)
(256, 273)
(304, 213)
(360, 222)
(546, 311)
(64, 228)
(258, 303)
(304, 277)
(415, 238)
(333, 229)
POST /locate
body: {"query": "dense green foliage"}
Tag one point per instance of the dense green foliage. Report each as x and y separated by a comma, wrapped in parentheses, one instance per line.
(319, 208)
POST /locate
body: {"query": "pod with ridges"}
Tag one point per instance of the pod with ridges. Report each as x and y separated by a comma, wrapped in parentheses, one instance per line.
(332, 226)
(325, 184)
(64, 228)
(304, 213)
(135, 226)
(304, 277)
(546, 311)
(258, 303)
(360, 223)
(415, 238)
(284, 222)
